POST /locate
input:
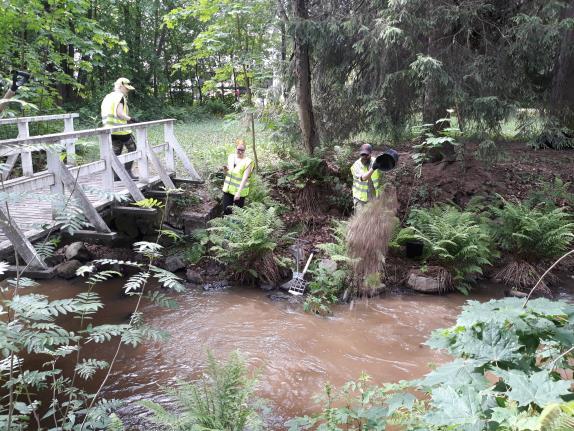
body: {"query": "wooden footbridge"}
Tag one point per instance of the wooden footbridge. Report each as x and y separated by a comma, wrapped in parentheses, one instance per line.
(30, 201)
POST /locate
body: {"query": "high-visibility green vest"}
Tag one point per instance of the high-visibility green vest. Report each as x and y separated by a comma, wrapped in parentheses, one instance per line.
(109, 107)
(235, 169)
(361, 188)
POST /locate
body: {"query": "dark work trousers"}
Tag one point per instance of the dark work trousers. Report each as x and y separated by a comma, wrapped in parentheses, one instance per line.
(228, 203)
(121, 141)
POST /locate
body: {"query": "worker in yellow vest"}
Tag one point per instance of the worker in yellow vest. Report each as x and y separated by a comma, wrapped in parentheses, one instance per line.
(237, 178)
(115, 112)
(366, 178)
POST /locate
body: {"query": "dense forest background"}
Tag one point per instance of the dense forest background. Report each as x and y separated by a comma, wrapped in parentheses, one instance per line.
(342, 65)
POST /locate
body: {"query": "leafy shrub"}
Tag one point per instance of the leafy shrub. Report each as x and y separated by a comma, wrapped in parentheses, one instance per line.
(453, 239)
(222, 400)
(301, 170)
(554, 136)
(503, 377)
(489, 153)
(530, 233)
(327, 286)
(245, 242)
(436, 145)
(217, 107)
(283, 124)
(260, 191)
(198, 248)
(555, 194)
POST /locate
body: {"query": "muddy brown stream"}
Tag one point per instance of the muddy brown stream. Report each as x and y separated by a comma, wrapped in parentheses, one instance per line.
(295, 353)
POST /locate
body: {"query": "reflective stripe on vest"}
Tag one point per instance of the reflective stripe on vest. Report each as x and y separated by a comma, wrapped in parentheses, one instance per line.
(235, 169)
(361, 188)
(109, 108)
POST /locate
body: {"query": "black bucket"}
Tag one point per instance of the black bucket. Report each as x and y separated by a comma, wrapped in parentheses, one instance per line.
(414, 249)
(388, 160)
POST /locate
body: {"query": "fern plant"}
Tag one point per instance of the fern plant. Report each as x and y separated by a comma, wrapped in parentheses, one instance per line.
(245, 242)
(453, 239)
(531, 236)
(532, 233)
(223, 400)
(326, 286)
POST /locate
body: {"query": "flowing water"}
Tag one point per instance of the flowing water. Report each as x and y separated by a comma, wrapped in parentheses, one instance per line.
(295, 353)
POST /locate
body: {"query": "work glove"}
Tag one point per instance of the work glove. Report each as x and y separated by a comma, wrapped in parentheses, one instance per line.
(19, 79)
(132, 120)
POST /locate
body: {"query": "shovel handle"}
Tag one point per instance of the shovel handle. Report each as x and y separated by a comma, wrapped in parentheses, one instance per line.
(307, 264)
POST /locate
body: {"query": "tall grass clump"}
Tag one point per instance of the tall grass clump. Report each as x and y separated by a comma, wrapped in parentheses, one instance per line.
(222, 400)
(454, 240)
(245, 242)
(532, 236)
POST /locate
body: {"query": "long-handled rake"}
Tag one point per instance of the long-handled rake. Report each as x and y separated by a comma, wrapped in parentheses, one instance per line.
(298, 284)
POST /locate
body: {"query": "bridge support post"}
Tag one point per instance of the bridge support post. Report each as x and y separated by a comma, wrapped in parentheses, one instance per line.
(87, 208)
(141, 142)
(106, 155)
(21, 244)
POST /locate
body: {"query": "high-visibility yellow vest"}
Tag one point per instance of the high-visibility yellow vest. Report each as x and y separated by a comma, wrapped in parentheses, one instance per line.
(109, 107)
(235, 169)
(361, 188)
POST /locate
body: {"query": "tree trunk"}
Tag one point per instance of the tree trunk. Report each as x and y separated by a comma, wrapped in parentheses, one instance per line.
(562, 94)
(303, 77)
(434, 106)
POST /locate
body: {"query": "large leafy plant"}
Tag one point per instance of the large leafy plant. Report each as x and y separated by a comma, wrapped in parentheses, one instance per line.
(453, 239)
(245, 242)
(519, 346)
(510, 372)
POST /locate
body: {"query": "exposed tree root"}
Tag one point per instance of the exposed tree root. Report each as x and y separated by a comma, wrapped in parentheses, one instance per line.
(521, 275)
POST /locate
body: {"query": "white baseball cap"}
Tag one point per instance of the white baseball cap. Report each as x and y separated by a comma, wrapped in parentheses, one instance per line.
(125, 82)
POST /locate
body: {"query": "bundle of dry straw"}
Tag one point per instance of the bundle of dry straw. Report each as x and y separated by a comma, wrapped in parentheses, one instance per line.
(368, 236)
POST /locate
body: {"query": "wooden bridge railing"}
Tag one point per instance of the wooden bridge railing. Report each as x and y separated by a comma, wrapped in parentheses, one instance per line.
(23, 124)
(59, 177)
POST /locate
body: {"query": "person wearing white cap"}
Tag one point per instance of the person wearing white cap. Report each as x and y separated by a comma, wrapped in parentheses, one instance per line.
(115, 112)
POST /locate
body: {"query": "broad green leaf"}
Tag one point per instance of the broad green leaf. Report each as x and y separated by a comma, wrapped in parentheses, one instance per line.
(462, 410)
(492, 344)
(457, 373)
(538, 388)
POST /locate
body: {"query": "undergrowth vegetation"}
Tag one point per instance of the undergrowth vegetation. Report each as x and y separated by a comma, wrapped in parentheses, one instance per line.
(31, 326)
(453, 239)
(223, 399)
(245, 242)
(531, 236)
(329, 283)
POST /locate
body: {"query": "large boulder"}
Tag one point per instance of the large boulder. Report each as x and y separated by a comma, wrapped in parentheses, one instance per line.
(328, 264)
(193, 276)
(174, 263)
(422, 283)
(67, 270)
(78, 251)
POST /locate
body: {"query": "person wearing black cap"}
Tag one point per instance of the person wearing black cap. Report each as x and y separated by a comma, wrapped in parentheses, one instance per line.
(366, 178)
